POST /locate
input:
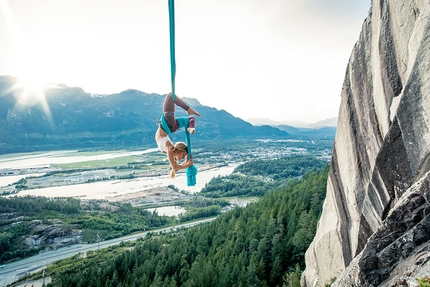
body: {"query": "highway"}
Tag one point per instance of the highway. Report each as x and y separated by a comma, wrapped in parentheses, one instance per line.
(10, 272)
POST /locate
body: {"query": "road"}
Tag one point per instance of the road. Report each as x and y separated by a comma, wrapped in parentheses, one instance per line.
(12, 271)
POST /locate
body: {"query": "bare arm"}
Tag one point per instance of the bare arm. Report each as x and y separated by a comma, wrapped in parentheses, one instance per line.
(171, 157)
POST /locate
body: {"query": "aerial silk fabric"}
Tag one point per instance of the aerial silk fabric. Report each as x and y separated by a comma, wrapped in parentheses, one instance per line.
(172, 46)
(183, 121)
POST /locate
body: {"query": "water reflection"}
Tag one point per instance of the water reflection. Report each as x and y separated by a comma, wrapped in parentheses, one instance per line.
(174, 210)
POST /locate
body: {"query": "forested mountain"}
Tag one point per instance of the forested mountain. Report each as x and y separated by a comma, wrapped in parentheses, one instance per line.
(255, 178)
(262, 244)
(72, 118)
(29, 225)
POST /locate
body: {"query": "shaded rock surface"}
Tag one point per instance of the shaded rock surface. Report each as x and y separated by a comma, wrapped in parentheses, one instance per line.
(47, 234)
(399, 251)
(375, 216)
(52, 236)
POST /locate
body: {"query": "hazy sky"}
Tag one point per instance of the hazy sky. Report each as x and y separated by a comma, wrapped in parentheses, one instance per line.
(278, 59)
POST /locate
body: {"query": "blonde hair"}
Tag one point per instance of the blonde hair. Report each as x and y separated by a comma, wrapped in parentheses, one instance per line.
(181, 146)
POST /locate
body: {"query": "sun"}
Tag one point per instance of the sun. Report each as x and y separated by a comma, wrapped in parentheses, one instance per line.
(30, 91)
(30, 69)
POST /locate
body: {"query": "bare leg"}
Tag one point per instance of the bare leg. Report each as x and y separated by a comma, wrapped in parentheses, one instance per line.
(191, 111)
(169, 105)
(191, 125)
(169, 111)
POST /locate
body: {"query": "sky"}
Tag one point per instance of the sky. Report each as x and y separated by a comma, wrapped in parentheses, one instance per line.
(283, 60)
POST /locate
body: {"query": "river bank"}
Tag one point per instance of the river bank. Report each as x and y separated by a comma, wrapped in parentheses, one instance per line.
(151, 186)
(124, 190)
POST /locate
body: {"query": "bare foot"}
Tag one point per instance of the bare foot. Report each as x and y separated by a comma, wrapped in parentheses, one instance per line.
(191, 111)
(191, 130)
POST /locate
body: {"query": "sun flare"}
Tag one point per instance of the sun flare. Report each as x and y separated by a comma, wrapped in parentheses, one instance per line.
(31, 92)
(30, 89)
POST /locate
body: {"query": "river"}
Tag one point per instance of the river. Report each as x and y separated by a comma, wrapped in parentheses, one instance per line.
(101, 189)
(61, 157)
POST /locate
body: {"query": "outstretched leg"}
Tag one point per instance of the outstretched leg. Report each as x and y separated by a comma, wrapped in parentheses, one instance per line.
(169, 105)
(191, 111)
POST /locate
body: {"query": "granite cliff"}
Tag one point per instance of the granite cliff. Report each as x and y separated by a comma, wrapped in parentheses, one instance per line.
(375, 225)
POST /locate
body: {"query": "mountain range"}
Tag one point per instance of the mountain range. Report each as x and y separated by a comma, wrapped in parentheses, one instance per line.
(330, 122)
(68, 117)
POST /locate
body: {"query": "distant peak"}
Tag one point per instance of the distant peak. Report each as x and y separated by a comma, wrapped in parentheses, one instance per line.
(330, 122)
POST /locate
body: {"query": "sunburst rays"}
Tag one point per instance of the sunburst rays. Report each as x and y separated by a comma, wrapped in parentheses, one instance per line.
(29, 90)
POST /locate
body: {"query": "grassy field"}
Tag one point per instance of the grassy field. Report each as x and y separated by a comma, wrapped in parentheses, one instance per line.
(120, 161)
(113, 162)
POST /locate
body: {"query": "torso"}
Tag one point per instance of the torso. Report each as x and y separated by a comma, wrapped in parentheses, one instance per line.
(163, 141)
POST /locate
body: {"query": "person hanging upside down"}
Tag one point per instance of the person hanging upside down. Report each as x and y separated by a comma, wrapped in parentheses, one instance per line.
(178, 151)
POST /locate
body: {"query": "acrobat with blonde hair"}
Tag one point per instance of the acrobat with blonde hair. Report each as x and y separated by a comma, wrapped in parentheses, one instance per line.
(178, 151)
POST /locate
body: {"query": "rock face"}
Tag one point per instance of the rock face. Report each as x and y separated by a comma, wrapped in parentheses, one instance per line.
(375, 219)
(48, 235)
(52, 236)
(399, 251)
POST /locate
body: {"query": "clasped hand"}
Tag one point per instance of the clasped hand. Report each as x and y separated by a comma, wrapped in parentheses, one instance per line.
(189, 162)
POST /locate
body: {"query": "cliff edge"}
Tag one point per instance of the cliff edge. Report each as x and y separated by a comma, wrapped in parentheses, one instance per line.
(375, 225)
